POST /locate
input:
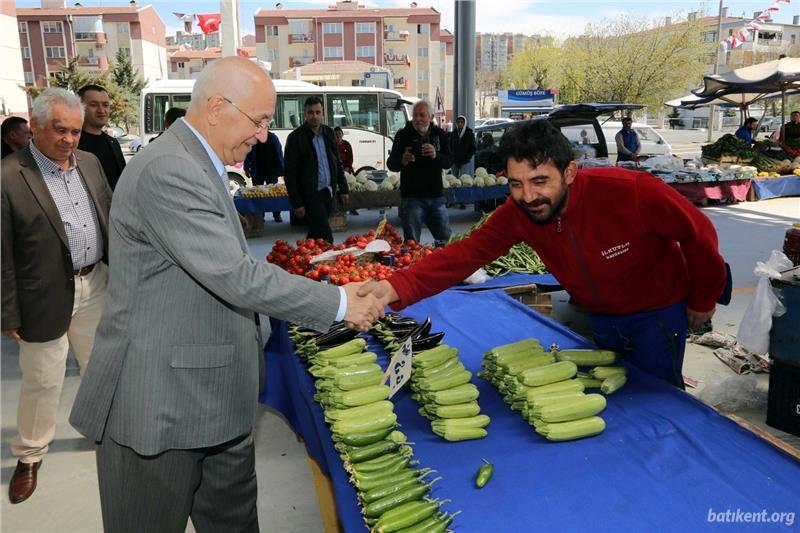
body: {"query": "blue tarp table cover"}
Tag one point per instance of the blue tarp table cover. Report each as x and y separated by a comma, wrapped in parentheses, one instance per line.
(262, 205)
(512, 280)
(665, 461)
(777, 187)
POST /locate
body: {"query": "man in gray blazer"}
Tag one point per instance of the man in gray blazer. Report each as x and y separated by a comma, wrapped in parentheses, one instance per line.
(55, 202)
(171, 393)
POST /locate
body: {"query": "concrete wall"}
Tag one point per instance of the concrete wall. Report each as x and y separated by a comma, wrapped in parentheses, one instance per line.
(14, 101)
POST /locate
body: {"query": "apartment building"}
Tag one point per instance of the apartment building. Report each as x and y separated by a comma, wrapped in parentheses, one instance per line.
(12, 99)
(186, 63)
(493, 51)
(51, 35)
(198, 41)
(408, 41)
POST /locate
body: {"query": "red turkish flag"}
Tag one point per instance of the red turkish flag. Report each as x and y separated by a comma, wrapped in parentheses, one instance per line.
(242, 52)
(209, 22)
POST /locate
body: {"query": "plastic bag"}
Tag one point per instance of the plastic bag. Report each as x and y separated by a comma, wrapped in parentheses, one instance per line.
(479, 276)
(735, 393)
(757, 321)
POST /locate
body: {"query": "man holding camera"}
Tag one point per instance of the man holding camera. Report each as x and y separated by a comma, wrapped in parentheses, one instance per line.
(420, 152)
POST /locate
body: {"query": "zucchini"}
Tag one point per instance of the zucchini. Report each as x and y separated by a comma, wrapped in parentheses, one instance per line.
(613, 384)
(561, 386)
(362, 411)
(363, 438)
(377, 508)
(588, 357)
(406, 515)
(544, 375)
(479, 421)
(362, 396)
(568, 409)
(364, 424)
(348, 348)
(575, 429)
(603, 372)
(590, 383)
(460, 410)
(446, 382)
(357, 454)
(455, 434)
(461, 394)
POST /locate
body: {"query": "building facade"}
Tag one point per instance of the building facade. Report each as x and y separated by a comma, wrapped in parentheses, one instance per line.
(12, 98)
(493, 51)
(49, 37)
(408, 41)
(198, 41)
(186, 63)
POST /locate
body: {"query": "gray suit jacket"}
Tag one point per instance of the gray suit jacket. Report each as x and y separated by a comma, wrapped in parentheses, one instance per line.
(178, 355)
(38, 287)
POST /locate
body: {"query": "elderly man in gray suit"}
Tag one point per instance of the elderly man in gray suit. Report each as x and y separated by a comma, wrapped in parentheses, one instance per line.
(171, 393)
(55, 202)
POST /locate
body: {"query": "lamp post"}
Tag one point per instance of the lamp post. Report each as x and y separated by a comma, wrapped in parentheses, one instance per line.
(712, 107)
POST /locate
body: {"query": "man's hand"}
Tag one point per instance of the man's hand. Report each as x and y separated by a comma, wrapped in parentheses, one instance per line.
(300, 212)
(408, 157)
(13, 333)
(697, 318)
(429, 150)
(362, 310)
(343, 199)
(382, 290)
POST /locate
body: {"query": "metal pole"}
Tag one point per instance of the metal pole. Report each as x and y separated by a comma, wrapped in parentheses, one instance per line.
(464, 66)
(711, 108)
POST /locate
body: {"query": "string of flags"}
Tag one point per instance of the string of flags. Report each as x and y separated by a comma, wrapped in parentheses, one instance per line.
(208, 22)
(736, 40)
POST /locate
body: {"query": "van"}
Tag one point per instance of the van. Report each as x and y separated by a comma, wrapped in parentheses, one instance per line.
(652, 143)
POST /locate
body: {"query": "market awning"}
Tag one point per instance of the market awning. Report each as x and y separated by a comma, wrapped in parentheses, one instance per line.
(777, 75)
(728, 99)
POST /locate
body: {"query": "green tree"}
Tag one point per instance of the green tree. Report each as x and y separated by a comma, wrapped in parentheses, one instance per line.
(536, 65)
(128, 88)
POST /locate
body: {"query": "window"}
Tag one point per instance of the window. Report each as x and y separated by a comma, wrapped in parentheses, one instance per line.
(332, 52)
(332, 27)
(710, 36)
(52, 27)
(289, 110)
(299, 27)
(122, 28)
(365, 27)
(272, 54)
(422, 75)
(125, 51)
(54, 52)
(365, 51)
(29, 78)
(422, 52)
(84, 36)
(23, 27)
(395, 121)
(423, 29)
(422, 96)
(90, 52)
(26, 52)
(181, 64)
(353, 111)
(357, 83)
(272, 31)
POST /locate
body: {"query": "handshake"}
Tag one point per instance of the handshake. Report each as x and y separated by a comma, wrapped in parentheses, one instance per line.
(366, 301)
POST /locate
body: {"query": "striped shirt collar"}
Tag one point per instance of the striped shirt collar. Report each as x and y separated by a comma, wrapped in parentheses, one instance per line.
(215, 160)
(47, 165)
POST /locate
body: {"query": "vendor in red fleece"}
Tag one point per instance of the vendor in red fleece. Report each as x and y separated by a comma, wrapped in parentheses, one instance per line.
(628, 248)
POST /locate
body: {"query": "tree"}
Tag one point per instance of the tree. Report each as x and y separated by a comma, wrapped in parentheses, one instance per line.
(633, 60)
(487, 82)
(128, 88)
(536, 65)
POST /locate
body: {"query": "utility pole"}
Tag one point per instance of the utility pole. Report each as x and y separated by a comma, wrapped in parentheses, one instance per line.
(229, 29)
(711, 108)
(464, 66)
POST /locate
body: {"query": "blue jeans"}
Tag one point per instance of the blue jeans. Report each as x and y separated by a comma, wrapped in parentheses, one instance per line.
(653, 341)
(431, 211)
(466, 168)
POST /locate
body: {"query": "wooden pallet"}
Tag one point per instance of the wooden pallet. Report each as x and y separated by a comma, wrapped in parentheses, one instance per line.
(533, 297)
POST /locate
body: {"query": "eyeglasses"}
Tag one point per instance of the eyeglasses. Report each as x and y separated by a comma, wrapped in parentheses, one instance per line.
(260, 126)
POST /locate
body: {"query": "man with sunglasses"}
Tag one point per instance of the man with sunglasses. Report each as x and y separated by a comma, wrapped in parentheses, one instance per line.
(171, 393)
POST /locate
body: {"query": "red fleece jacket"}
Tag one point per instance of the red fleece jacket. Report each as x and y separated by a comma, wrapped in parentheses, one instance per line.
(626, 243)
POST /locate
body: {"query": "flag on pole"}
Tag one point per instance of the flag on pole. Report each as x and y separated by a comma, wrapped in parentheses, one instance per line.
(209, 22)
(186, 19)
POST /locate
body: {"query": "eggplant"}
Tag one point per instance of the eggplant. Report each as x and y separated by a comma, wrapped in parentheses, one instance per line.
(426, 343)
(399, 322)
(335, 338)
(421, 331)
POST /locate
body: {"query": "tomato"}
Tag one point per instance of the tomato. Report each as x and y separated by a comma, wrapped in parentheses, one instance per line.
(344, 280)
(324, 269)
(270, 258)
(314, 274)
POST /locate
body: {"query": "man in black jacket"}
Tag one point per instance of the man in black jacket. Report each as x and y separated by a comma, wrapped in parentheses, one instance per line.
(420, 152)
(463, 140)
(313, 171)
(97, 109)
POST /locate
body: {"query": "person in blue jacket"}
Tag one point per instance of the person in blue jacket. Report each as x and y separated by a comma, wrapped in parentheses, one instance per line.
(264, 164)
(628, 145)
(748, 130)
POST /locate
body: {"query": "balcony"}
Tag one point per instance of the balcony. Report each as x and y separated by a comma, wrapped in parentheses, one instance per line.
(299, 38)
(396, 59)
(395, 36)
(400, 82)
(299, 61)
(89, 61)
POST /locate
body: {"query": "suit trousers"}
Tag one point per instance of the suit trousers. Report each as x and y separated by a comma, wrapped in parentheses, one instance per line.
(318, 209)
(214, 486)
(43, 365)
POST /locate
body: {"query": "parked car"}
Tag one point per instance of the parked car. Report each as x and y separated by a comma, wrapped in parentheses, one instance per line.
(578, 122)
(492, 121)
(135, 144)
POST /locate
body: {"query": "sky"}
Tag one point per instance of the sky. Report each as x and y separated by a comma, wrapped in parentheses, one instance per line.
(561, 18)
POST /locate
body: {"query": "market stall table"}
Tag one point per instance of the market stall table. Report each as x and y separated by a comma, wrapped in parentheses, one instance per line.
(766, 188)
(262, 205)
(665, 461)
(701, 192)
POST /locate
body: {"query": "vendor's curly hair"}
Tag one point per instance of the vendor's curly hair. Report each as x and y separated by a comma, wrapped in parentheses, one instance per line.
(536, 141)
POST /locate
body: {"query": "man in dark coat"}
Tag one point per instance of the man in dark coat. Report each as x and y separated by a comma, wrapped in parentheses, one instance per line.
(314, 173)
(463, 142)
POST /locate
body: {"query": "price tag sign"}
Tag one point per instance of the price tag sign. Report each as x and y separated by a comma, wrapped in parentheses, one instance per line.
(399, 371)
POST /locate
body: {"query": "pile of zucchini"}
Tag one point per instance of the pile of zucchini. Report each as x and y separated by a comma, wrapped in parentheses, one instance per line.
(548, 390)
(439, 381)
(392, 489)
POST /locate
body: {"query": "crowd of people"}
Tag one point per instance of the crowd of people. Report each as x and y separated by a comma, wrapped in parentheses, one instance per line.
(153, 286)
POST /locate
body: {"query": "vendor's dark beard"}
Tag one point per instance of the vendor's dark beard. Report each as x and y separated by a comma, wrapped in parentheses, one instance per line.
(555, 208)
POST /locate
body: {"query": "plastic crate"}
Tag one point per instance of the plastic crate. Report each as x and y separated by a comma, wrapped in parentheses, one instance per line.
(783, 400)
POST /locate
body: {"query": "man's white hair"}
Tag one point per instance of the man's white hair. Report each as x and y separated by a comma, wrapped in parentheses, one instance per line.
(426, 104)
(42, 110)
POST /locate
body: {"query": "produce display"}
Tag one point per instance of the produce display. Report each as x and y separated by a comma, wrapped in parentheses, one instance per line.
(481, 179)
(520, 258)
(548, 390)
(270, 190)
(364, 181)
(439, 381)
(347, 267)
(392, 488)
